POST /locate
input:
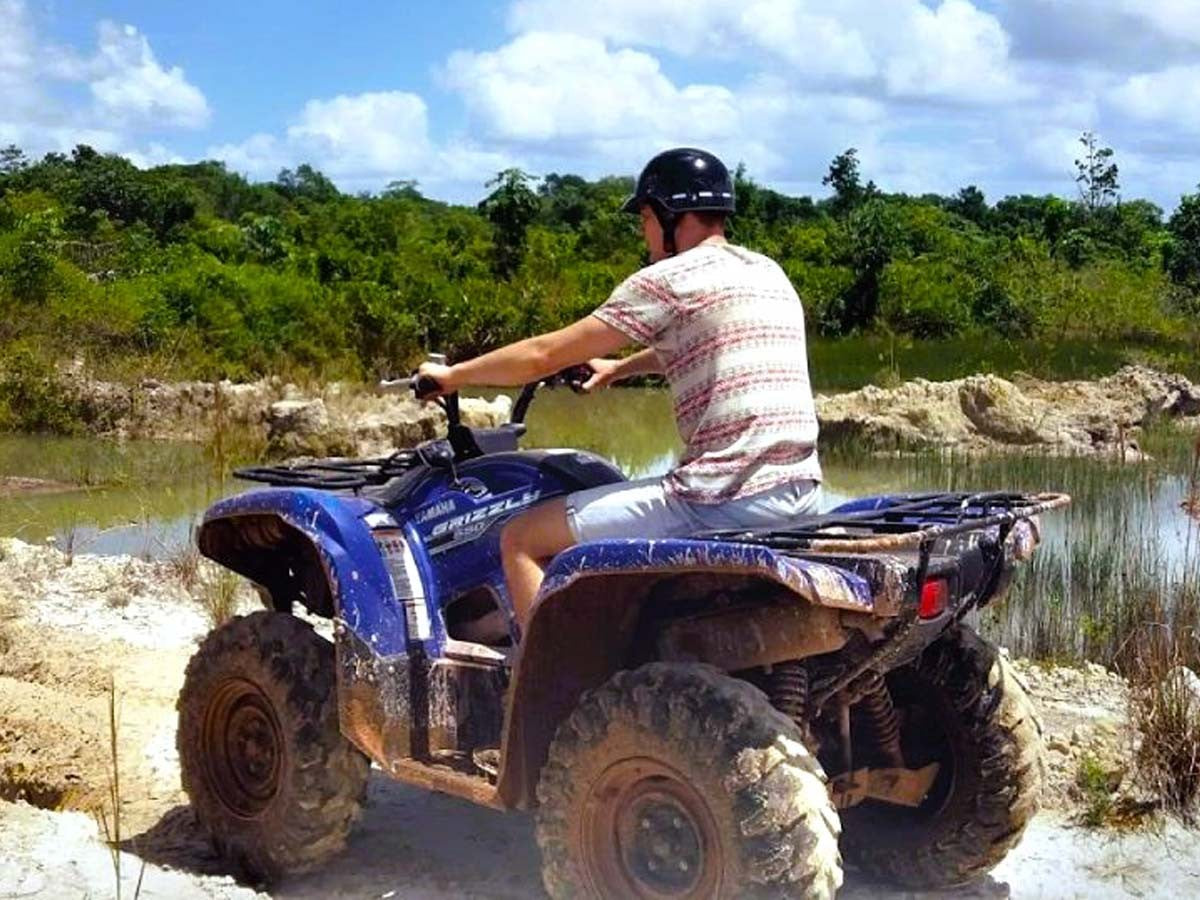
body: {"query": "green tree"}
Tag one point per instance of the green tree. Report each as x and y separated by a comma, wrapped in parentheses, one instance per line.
(971, 204)
(567, 202)
(1181, 254)
(846, 181)
(307, 183)
(511, 207)
(872, 234)
(1097, 176)
(403, 189)
(12, 160)
(29, 269)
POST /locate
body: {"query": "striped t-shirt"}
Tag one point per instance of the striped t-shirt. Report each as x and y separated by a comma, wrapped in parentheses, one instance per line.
(729, 330)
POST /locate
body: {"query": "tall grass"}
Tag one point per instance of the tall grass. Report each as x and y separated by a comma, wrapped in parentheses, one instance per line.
(1116, 581)
(109, 818)
(218, 594)
(1121, 565)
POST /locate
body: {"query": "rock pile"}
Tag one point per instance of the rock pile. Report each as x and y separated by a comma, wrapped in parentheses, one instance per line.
(986, 412)
(333, 419)
(1084, 713)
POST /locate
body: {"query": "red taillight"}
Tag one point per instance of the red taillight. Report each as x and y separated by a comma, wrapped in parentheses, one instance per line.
(935, 594)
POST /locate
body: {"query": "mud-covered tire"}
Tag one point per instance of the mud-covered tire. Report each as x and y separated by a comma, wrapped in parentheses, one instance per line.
(677, 780)
(962, 695)
(268, 773)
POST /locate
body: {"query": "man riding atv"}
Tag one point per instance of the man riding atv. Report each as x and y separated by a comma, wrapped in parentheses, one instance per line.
(725, 326)
(714, 695)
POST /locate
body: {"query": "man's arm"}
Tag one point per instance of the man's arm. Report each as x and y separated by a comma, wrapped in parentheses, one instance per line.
(533, 358)
(607, 371)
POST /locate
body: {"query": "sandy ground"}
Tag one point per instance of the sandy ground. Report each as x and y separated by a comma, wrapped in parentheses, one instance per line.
(71, 628)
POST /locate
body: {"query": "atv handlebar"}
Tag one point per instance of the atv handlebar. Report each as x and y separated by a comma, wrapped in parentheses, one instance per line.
(423, 386)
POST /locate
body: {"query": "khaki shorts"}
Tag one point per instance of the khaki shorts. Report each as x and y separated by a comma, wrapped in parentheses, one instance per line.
(642, 509)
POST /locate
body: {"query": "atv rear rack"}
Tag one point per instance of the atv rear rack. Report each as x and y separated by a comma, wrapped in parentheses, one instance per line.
(334, 474)
(900, 522)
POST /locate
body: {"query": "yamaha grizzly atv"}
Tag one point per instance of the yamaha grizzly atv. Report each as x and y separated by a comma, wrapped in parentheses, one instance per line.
(724, 715)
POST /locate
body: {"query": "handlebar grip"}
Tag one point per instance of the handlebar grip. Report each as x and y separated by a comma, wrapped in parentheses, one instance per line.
(394, 385)
(577, 376)
(424, 385)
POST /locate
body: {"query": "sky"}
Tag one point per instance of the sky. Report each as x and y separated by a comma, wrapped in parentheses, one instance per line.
(935, 94)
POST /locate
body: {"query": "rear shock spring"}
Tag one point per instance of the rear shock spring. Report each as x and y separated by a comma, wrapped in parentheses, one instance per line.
(883, 722)
(789, 691)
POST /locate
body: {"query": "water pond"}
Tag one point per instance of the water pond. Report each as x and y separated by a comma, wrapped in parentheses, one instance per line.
(1126, 539)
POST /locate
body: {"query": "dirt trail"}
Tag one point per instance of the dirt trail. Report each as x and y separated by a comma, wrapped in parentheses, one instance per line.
(65, 629)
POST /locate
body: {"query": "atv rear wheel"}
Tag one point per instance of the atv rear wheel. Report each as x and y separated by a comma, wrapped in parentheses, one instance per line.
(269, 775)
(677, 781)
(963, 708)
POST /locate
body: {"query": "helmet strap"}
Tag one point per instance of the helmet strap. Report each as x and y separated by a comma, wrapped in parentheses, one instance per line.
(667, 220)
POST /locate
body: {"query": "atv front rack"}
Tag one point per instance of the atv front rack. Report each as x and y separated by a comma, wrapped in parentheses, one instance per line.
(900, 522)
(334, 474)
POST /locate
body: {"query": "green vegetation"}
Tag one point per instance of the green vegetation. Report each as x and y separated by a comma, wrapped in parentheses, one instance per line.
(190, 270)
(1097, 787)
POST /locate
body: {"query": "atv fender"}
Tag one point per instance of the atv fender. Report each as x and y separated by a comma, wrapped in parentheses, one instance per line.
(313, 547)
(588, 623)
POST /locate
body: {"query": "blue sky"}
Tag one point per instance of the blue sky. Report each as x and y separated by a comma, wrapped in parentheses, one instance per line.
(936, 94)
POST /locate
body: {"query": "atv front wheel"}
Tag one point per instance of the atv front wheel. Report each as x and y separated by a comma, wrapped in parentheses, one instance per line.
(963, 708)
(268, 773)
(677, 781)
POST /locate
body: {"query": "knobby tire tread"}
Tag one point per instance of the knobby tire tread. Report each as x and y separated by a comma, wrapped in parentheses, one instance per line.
(784, 827)
(324, 784)
(996, 717)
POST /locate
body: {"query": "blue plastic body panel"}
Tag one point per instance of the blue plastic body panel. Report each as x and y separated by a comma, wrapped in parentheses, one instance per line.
(452, 528)
(453, 531)
(814, 581)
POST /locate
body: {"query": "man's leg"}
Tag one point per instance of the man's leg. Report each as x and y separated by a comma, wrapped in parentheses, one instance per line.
(526, 542)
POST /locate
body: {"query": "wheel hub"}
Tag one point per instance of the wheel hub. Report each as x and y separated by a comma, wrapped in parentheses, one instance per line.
(647, 833)
(660, 844)
(243, 747)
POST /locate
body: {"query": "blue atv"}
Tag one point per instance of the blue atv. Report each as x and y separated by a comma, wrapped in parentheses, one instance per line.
(724, 715)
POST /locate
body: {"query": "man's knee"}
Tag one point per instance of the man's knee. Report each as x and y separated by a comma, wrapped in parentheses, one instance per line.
(513, 536)
(539, 533)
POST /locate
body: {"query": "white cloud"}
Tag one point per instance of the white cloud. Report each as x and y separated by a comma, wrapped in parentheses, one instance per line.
(371, 132)
(1118, 36)
(1179, 19)
(955, 52)
(352, 137)
(363, 141)
(570, 102)
(812, 43)
(18, 61)
(901, 48)
(681, 26)
(1170, 96)
(131, 85)
(545, 87)
(132, 94)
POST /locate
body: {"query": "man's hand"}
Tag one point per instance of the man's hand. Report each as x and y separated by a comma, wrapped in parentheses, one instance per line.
(604, 372)
(444, 376)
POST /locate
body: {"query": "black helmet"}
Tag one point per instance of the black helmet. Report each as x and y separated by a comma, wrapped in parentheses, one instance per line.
(679, 181)
(683, 180)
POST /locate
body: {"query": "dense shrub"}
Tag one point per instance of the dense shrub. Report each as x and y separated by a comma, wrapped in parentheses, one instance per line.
(191, 270)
